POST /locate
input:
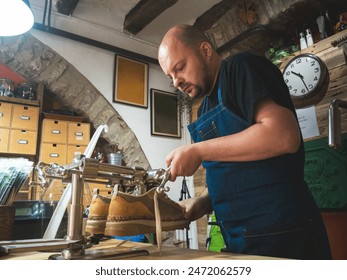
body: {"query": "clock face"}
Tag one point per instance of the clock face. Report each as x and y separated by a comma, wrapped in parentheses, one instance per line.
(304, 75)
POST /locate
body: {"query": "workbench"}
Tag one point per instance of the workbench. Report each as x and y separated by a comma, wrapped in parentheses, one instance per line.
(167, 253)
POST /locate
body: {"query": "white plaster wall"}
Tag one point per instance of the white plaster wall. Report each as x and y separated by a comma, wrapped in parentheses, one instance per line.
(97, 65)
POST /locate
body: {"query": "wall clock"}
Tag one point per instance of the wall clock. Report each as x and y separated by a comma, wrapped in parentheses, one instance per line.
(305, 74)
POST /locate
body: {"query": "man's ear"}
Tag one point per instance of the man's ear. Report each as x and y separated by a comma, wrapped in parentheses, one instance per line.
(206, 49)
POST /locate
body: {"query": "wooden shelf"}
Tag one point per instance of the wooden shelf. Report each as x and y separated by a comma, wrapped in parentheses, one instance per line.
(19, 101)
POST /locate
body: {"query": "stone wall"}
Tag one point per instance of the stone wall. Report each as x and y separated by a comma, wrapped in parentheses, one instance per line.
(37, 62)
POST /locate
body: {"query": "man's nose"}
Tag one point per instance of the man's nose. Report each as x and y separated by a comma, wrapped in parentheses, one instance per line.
(177, 82)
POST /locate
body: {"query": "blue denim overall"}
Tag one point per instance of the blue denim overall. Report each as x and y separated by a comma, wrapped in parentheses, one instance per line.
(261, 208)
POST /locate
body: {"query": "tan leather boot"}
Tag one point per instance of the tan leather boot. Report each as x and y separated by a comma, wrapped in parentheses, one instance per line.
(132, 215)
(98, 213)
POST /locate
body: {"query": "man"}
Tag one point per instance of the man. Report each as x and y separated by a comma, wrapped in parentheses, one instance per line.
(248, 139)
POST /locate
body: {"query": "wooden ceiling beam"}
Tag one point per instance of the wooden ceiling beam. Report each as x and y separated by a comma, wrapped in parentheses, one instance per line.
(66, 7)
(144, 12)
(207, 19)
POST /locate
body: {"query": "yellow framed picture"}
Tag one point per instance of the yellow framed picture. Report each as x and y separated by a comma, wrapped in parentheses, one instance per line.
(130, 82)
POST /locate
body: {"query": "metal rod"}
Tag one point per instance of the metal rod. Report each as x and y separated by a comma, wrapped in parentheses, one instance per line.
(74, 230)
(334, 122)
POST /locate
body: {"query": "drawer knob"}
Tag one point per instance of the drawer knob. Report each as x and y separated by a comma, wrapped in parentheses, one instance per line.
(25, 118)
(55, 155)
(55, 131)
(22, 142)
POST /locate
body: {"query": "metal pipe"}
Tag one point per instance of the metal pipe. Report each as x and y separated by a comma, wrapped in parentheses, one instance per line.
(74, 229)
(334, 122)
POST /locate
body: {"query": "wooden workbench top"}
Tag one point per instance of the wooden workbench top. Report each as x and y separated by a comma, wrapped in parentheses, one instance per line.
(167, 253)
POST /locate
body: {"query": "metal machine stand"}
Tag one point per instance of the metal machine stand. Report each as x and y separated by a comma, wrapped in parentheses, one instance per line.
(81, 170)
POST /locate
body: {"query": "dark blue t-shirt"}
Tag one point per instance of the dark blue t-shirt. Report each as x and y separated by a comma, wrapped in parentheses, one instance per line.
(246, 78)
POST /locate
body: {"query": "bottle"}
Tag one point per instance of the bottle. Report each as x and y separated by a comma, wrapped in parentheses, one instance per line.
(321, 27)
(309, 38)
(6, 87)
(303, 44)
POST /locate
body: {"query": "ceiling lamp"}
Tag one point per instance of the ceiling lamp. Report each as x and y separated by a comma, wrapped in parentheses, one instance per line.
(16, 17)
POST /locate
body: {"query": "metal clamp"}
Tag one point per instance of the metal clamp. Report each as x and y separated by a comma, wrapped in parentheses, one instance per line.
(165, 177)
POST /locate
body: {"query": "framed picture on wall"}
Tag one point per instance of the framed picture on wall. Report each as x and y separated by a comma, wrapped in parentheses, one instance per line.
(130, 82)
(165, 114)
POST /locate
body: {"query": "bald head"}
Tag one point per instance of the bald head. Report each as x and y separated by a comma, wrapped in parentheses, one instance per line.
(188, 58)
(186, 34)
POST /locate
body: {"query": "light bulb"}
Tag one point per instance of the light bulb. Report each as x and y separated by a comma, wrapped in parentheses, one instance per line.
(16, 17)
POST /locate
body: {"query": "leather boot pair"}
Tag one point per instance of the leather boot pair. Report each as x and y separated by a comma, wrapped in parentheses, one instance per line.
(125, 214)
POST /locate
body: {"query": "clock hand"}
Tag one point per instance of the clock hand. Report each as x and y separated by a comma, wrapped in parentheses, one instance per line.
(301, 77)
(297, 74)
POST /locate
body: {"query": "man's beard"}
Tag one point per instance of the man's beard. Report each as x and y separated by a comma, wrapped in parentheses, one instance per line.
(199, 92)
(205, 89)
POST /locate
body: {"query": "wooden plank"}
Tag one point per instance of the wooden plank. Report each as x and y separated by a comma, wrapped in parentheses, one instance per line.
(207, 19)
(337, 86)
(255, 39)
(337, 72)
(144, 12)
(333, 57)
(325, 43)
(167, 253)
(19, 101)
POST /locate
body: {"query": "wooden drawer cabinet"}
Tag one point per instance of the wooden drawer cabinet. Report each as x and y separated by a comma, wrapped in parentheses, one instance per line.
(5, 114)
(25, 117)
(54, 131)
(61, 140)
(104, 190)
(18, 128)
(53, 153)
(22, 142)
(4, 137)
(73, 150)
(78, 133)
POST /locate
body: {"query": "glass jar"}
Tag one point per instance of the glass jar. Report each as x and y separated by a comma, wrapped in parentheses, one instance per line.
(6, 87)
(26, 90)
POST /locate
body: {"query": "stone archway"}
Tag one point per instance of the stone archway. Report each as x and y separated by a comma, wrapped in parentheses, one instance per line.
(36, 62)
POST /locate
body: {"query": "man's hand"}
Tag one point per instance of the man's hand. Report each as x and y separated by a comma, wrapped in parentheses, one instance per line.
(196, 207)
(184, 161)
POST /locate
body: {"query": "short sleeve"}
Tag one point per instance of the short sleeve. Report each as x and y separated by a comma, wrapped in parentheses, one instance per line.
(249, 79)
